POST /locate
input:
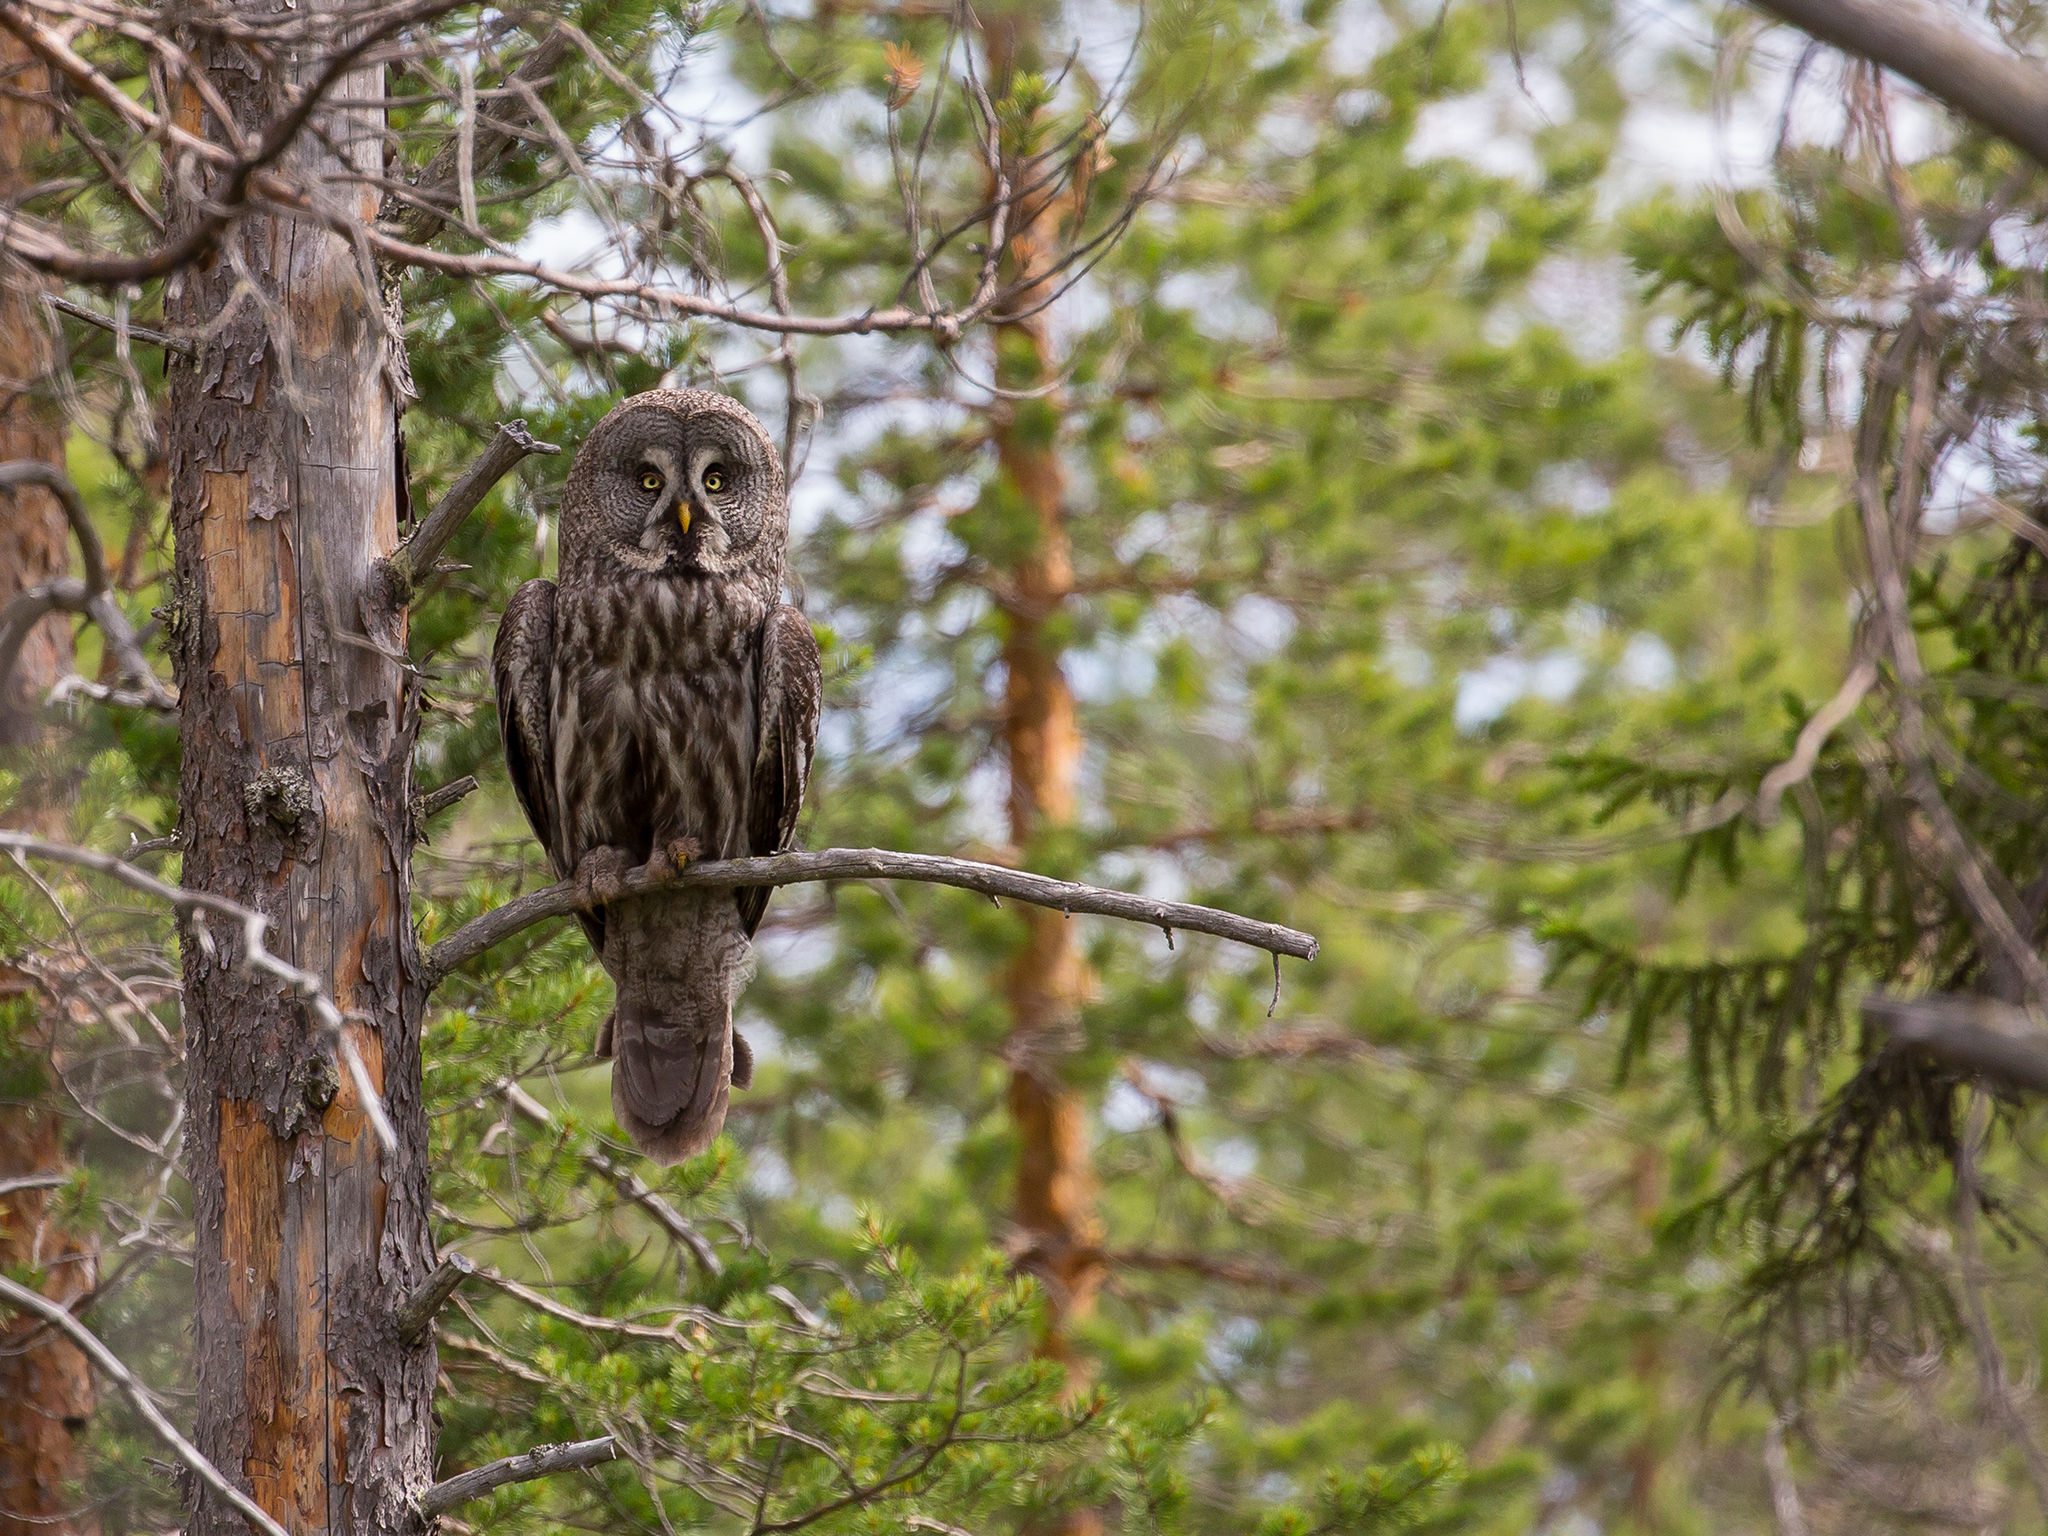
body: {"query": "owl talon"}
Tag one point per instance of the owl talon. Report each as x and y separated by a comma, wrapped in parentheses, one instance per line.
(680, 852)
(601, 875)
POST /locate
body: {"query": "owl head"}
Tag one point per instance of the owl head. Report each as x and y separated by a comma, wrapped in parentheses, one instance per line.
(676, 482)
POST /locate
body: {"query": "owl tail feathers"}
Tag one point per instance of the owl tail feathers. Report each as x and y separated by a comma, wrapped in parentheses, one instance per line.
(670, 1079)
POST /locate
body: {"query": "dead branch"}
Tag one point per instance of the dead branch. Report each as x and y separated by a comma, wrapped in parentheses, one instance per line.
(416, 556)
(499, 924)
(140, 333)
(425, 808)
(52, 479)
(678, 302)
(440, 185)
(2004, 92)
(541, 1461)
(93, 597)
(110, 1364)
(416, 1312)
(247, 170)
(434, 802)
(1979, 1035)
(1813, 736)
(191, 906)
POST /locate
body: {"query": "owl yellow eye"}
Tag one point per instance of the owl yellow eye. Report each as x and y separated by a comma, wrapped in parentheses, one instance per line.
(650, 482)
(714, 479)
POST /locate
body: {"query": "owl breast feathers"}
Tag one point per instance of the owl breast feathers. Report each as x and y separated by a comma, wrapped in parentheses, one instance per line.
(660, 701)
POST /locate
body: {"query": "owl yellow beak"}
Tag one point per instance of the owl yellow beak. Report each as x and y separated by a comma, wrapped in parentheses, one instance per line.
(683, 515)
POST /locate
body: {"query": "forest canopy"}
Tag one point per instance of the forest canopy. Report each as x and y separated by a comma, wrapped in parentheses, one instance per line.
(1421, 903)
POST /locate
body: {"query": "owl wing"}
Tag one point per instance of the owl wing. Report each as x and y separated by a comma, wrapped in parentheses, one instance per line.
(522, 665)
(791, 688)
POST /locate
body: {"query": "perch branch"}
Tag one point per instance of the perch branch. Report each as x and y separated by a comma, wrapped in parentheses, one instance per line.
(499, 924)
(191, 905)
(416, 1312)
(1980, 1035)
(110, 1364)
(416, 556)
(541, 1461)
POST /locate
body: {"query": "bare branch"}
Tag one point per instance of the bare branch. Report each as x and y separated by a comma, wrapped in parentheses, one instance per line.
(110, 1364)
(140, 333)
(1812, 737)
(628, 1184)
(677, 301)
(1980, 1035)
(93, 597)
(416, 556)
(304, 985)
(426, 807)
(495, 926)
(2004, 92)
(28, 608)
(247, 167)
(54, 480)
(1785, 1507)
(441, 183)
(541, 1461)
(416, 1312)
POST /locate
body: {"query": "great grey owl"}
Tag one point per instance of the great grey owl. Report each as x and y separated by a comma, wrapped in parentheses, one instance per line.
(661, 701)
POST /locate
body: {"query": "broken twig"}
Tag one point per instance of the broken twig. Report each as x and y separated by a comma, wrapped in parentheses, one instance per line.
(416, 556)
(303, 984)
(110, 1364)
(416, 1312)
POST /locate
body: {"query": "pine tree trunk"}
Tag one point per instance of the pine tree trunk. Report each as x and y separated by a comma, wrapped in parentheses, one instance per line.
(1048, 983)
(297, 736)
(46, 1388)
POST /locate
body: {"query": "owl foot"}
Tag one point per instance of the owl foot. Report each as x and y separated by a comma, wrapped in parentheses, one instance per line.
(601, 875)
(679, 852)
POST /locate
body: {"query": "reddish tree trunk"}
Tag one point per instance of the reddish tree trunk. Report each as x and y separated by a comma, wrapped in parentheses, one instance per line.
(1048, 982)
(297, 733)
(46, 1389)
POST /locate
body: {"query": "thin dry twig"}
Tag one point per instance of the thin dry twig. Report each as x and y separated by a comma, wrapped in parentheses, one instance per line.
(93, 597)
(58, 1316)
(627, 1183)
(189, 905)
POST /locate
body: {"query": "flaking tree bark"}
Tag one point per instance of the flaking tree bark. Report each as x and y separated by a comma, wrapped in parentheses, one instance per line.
(297, 731)
(46, 1389)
